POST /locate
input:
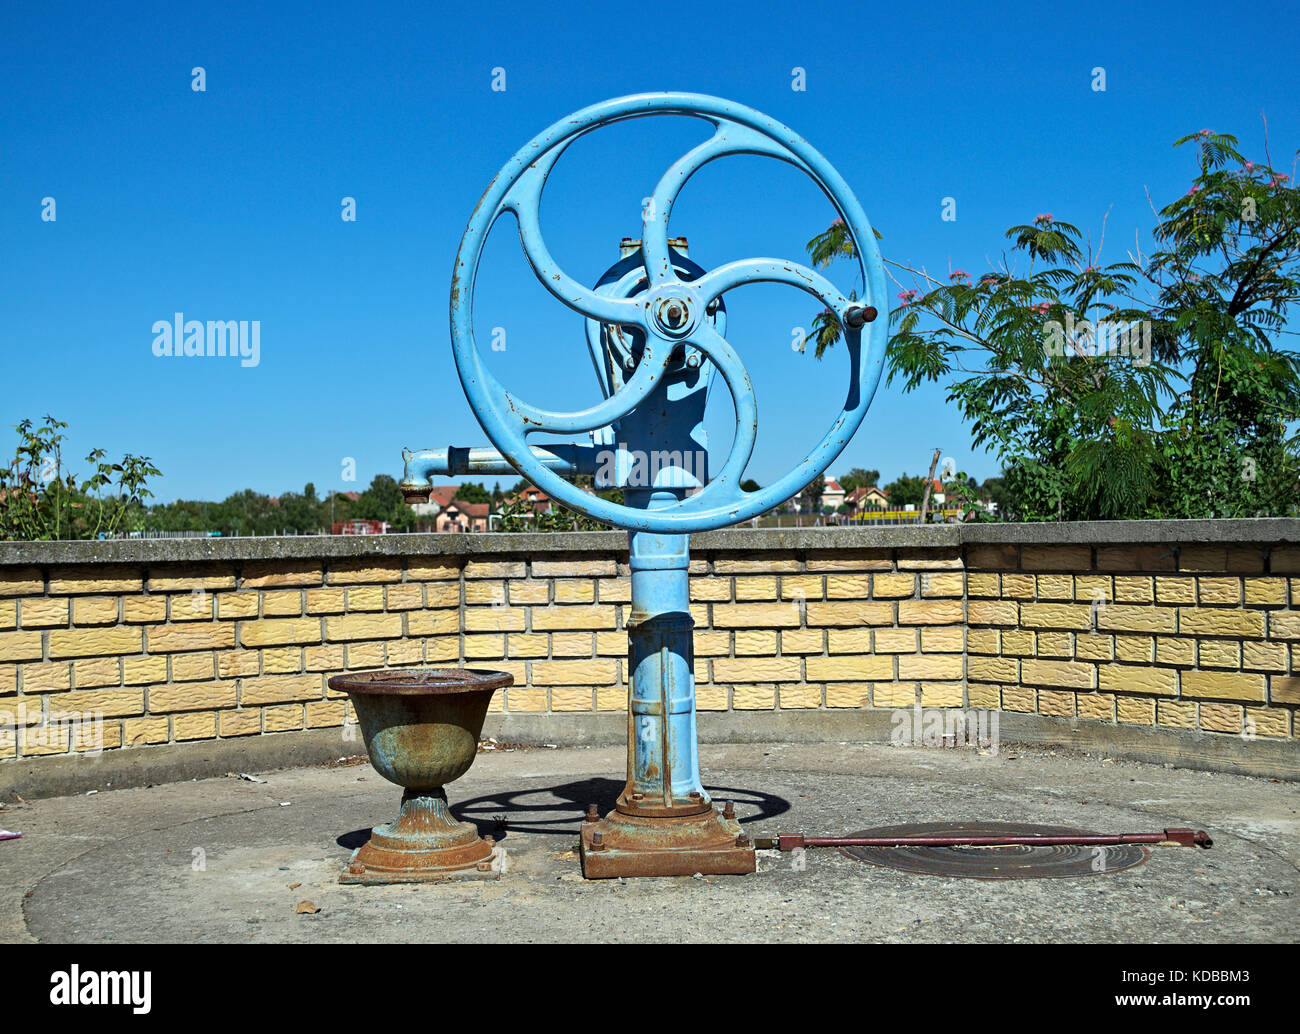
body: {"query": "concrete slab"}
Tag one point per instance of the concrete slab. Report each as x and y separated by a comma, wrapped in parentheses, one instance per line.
(217, 860)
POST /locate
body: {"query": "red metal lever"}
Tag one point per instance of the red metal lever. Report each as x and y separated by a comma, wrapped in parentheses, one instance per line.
(1184, 837)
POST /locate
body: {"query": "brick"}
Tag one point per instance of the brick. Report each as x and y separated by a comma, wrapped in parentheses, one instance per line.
(757, 669)
(756, 588)
(239, 722)
(8, 614)
(890, 694)
(282, 631)
(235, 663)
(581, 673)
(365, 598)
(357, 570)
(520, 592)
(409, 596)
(1056, 703)
(1135, 558)
(21, 581)
(799, 697)
(38, 740)
(1095, 706)
(1219, 590)
(765, 615)
(403, 651)
(196, 606)
(496, 569)
(519, 645)
(1175, 590)
(1019, 698)
(92, 642)
(46, 678)
(362, 626)
(1019, 643)
(941, 694)
(1229, 685)
(1055, 644)
(1266, 592)
(1018, 586)
(427, 569)
(992, 557)
(894, 640)
(97, 578)
(286, 660)
(442, 649)
(883, 586)
(287, 718)
(324, 714)
(269, 574)
(572, 699)
(753, 698)
(755, 563)
(989, 697)
(614, 590)
(232, 605)
(1055, 586)
(1178, 714)
(1135, 710)
(849, 668)
(1120, 618)
(1180, 652)
(572, 644)
(179, 578)
(1280, 626)
(1258, 656)
(1134, 589)
(755, 642)
(849, 560)
(141, 731)
(138, 671)
(197, 696)
(1135, 649)
(548, 618)
(848, 694)
(1284, 689)
(1056, 558)
(144, 609)
(1284, 560)
(20, 646)
(992, 669)
(982, 612)
(326, 601)
(941, 666)
(1195, 621)
(1221, 718)
(1093, 647)
(848, 640)
(190, 667)
(1073, 674)
(1057, 615)
(96, 671)
(575, 590)
(983, 585)
(802, 640)
(1218, 653)
(1094, 588)
(524, 698)
(363, 655)
(1137, 678)
(574, 567)
(930, 612)
(983, 640)
(282, 603)
(929, 559)
(175, 638)
(43, 613)
(195, 726)
(802, 587)
(277, 689)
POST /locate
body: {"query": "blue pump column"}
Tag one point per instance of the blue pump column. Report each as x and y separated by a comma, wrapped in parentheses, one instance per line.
(663, 762)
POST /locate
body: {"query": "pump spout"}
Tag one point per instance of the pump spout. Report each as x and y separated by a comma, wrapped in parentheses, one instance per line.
(567, 460)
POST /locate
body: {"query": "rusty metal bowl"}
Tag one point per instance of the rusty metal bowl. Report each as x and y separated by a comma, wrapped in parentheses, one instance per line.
(421, 725)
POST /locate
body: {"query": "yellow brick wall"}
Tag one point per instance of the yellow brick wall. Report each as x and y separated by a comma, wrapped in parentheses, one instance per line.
(1186, 637)
(1178, 636)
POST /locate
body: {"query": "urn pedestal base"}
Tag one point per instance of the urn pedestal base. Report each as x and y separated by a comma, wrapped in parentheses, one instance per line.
(424, 844)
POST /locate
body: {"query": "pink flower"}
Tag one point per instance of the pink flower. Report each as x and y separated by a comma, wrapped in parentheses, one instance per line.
(1249, 166)
(959, 274)
(838, 222)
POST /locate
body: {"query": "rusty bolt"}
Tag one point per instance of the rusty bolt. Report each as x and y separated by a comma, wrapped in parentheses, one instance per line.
(638, 797)
(856, 315)
(742, 840)
(597, 841)
(674, 315)
(693, 361)
(696, 795)
(592, 814)
(729, 810)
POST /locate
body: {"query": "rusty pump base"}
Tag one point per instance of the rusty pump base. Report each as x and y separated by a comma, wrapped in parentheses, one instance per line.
(679, 841)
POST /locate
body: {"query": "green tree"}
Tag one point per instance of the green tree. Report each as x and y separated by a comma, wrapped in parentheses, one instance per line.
(905, 490)
(1086, 429)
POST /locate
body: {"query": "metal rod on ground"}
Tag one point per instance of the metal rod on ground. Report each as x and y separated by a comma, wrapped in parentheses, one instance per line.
(1181, 836)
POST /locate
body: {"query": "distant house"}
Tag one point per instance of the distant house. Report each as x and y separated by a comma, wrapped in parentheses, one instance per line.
(534, 499)
(832, 494)
(458, 515)
(359, 527)
(874, 498)
(439, 498)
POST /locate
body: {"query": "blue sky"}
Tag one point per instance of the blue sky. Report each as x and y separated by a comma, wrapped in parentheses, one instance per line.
(225, 204)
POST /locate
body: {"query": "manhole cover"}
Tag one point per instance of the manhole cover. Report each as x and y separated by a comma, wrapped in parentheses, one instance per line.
(995, 863)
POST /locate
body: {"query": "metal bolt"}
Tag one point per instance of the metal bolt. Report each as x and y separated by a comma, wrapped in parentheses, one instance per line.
(674, 315)
(592, 814)
(693, 360)
(856, 315)
(638, 797)
(696, 795)
(712, 307)
(729, 810)
(742, 840)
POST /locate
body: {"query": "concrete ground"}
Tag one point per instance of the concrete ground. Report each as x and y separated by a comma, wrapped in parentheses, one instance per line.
(231, 860)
